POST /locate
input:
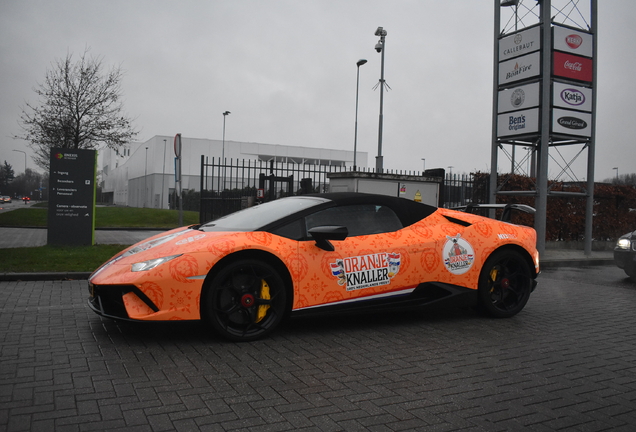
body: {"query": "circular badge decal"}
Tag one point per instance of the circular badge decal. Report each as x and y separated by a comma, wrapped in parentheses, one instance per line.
(517, 98)
(458, 255)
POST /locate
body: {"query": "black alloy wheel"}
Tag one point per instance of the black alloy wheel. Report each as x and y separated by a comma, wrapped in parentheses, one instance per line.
(246, 300)
(505, 284)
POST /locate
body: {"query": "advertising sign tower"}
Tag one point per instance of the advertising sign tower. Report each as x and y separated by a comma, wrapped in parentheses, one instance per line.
(544, 95)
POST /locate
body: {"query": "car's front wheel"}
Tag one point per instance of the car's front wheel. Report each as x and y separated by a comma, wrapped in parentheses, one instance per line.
(246, 300)
(505, 284)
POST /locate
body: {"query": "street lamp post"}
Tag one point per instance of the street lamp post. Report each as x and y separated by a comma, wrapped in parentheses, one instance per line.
(163, 173)
(25, 158)
(146, 178)
(380, 47)
(225, 114)
(355, 136)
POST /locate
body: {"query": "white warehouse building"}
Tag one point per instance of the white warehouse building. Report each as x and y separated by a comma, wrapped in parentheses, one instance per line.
(142, 174)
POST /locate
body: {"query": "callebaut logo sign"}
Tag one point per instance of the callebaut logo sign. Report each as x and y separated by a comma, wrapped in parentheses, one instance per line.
(574, 41)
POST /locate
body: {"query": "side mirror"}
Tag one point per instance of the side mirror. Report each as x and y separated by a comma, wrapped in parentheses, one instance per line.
(322, 235)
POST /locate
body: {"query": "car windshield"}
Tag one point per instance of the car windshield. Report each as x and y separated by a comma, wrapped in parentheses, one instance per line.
(253, 218)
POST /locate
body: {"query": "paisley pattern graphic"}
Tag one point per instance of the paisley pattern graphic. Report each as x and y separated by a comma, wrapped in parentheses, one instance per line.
(154, 293)
(183, 267)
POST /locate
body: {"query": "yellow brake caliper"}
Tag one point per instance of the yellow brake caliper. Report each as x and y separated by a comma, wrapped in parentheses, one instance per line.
(262, 309)
(493, 277)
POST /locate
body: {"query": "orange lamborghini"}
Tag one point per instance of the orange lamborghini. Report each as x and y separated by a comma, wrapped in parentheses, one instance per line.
(245, 272)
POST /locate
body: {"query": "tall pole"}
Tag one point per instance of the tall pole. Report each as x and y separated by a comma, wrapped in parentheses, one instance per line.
(225, 114)
(541, 200)
(146, 178)
(380, 47)
(355, 136)
(163, 173)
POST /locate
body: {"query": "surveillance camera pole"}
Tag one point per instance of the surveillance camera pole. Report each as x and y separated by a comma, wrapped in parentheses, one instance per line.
(380, 47)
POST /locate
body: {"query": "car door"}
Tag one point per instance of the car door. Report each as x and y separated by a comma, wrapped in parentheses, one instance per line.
(366, 264)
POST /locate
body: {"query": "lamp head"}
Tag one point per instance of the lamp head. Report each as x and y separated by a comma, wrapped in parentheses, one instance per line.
(361, 62)
(226, 113)
(380, 32)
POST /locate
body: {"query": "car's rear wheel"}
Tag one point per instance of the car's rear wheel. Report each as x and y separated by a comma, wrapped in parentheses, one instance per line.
(246, 300)
(505, 284)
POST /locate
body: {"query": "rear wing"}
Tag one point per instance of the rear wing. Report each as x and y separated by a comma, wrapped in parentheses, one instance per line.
(507, 209)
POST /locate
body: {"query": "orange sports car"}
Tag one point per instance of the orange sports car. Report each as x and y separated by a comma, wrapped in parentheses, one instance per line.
(245, 272)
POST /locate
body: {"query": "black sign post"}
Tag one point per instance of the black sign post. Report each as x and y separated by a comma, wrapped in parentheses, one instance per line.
(71, 218)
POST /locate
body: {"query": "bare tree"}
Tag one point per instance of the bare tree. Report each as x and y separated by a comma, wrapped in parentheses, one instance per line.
(80, 107)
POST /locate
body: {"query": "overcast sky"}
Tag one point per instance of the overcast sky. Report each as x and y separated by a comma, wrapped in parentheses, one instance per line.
(286, 69)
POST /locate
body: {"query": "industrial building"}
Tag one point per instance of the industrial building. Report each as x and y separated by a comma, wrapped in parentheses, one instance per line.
(142, 174)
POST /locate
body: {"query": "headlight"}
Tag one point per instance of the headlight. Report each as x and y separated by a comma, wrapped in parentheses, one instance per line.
(623, 243)
(150, 264)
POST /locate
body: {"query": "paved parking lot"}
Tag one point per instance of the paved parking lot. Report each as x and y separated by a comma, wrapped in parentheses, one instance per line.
(568, 361)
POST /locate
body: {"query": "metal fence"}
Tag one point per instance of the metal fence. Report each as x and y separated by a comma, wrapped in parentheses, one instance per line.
(228, 187)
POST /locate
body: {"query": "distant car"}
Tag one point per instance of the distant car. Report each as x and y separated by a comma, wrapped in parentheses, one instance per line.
(245, 272)
(625, 254)
(6, 199)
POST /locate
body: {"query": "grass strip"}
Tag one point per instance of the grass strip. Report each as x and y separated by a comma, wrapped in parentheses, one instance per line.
(56, 258)
(106, 217)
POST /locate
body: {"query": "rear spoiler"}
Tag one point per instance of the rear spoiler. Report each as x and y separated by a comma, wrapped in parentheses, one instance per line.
(507, 209)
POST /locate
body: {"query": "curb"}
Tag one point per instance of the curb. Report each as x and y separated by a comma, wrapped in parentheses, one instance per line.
(556, 263)
(52, 276)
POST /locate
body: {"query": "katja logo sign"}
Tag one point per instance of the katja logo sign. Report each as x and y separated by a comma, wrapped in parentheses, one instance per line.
(572, 97)
(567, 95)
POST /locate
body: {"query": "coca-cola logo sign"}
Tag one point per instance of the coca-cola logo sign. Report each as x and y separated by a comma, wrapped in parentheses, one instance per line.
(572, 97)
(573, 66)
(572, 122)
(574, 41)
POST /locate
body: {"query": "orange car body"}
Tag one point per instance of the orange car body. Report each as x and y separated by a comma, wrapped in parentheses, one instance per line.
(447, 246)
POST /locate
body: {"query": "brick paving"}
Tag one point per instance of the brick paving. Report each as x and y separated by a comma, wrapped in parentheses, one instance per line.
(567, 362)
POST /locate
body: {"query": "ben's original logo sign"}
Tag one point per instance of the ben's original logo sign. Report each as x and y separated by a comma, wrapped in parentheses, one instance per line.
(366, 271)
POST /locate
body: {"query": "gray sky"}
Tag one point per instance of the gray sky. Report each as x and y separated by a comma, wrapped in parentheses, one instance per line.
(286, 69)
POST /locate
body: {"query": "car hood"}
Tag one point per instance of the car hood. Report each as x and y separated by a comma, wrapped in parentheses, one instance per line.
(178, 241)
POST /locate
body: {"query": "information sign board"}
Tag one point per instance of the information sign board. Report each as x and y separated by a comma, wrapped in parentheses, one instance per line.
(520, 68)
(518, 123)
(71, 215)
(518, 98)
(572, 67)
(523, 42)
(571, 122)
(572, 41)
(572, 97)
